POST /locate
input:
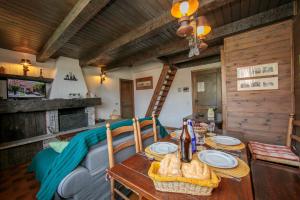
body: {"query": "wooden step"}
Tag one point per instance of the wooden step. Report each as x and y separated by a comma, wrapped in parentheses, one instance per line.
(169, 78)
(165, 89)
(172, 73)
(167, 83)
(161, 91)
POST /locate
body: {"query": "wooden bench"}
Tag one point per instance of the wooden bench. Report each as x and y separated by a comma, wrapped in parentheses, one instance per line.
(275, 181)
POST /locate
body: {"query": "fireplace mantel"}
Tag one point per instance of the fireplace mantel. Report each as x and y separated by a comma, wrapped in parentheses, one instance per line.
(33, 105)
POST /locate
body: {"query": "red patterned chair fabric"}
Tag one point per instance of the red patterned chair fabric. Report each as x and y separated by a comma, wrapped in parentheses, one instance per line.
(273, 153)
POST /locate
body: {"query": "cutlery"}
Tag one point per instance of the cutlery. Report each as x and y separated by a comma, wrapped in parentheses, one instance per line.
(233, 153)
(145, 156)
(229, 176)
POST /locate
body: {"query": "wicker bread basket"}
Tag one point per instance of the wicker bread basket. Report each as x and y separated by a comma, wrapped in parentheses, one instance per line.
(182, 184)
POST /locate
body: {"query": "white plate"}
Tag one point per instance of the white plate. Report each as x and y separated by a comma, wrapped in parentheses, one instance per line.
(226, 140)
(163, 147)
(218, 159)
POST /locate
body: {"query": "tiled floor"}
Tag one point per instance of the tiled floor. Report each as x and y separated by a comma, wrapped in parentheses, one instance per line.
(17, 184)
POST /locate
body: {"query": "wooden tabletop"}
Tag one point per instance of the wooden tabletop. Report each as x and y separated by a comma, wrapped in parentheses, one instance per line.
(133, 173)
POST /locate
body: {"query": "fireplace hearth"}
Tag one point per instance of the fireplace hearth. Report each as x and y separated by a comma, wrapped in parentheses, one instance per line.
(72, 118)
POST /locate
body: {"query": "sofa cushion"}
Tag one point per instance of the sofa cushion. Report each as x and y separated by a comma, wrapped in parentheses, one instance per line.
(74, 182)
(97, 158)
(273, 153)
(58, 146)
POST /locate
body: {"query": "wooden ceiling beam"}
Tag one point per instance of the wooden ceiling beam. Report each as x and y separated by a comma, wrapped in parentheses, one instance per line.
(81, 13)
(101, 54)
(183, 57)
(202, 61)
(274, 15)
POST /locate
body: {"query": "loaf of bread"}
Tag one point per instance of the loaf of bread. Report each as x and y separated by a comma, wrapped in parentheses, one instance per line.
(170, 166)
(195, 169)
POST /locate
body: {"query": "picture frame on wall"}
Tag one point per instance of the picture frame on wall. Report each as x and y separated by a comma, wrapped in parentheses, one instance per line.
(144, 83)
(270, 83)
(270, 69)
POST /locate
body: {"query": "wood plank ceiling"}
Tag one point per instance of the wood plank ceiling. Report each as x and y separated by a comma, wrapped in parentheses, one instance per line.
(26, 25)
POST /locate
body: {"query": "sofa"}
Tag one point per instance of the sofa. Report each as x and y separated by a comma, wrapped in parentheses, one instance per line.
(88, 180)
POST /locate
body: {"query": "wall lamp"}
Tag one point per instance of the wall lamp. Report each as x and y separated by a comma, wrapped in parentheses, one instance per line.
(25, 63)
(102, 76)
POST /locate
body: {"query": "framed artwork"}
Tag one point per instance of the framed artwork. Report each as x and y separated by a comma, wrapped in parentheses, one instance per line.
(270, 83)
(144, 83)
(269, 69)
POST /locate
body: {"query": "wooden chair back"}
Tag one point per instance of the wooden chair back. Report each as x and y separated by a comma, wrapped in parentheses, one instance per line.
(153, 133)
(117, 132)
(292, 123)
(113, 150)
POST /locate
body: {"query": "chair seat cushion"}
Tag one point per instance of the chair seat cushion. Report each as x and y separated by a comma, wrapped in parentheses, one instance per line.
(273, 151)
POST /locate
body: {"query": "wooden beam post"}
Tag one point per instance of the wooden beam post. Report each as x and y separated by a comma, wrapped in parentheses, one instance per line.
(80, 14)
(271, 16)
(101, 54)
(183, 57)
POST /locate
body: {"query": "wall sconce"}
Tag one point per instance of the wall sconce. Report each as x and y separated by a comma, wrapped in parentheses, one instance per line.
(26, 63)
(102, 76)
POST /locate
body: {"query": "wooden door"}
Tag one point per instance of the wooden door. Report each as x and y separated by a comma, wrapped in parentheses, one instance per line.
(126, 98)
(206, 86)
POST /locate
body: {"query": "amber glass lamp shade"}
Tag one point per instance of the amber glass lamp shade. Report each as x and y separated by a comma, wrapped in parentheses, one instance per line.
(203, 28)
(202, 45)
(181, 8)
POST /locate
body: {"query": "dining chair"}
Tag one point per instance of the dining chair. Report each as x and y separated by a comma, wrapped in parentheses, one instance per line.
(153, 133)
(278, 153)
(112, 150)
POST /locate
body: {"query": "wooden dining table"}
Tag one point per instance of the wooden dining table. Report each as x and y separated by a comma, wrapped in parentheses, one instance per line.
(133, 173)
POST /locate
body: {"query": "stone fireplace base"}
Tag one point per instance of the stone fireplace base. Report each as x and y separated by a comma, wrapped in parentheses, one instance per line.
(53, 120)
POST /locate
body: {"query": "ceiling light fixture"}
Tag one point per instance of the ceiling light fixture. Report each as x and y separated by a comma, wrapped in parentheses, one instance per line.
(203, 28)
(194, 28)
(183, 9)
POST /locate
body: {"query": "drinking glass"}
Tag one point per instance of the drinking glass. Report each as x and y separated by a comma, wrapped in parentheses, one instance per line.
(211, 127)
(201, 138)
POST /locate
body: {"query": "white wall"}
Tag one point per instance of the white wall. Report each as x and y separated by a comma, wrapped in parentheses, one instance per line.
(56, 69)
(142, 98)
(178, 104)
(10, 60)
(109, 91)
(62, 88)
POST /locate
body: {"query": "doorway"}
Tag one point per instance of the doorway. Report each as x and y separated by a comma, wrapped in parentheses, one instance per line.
(126, 98)
(207, 91)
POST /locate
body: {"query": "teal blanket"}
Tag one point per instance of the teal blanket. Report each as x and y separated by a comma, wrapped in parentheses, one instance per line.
(40, 162)
(73, 154)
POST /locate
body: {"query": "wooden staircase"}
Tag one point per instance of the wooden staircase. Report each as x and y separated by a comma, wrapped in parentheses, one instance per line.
(161, 91)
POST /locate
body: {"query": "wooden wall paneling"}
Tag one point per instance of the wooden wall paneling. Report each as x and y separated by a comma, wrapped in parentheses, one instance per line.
(19, 155)
(224, 93)
(259, 115)
(18, 126)
(296, 43)
(296, 33)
